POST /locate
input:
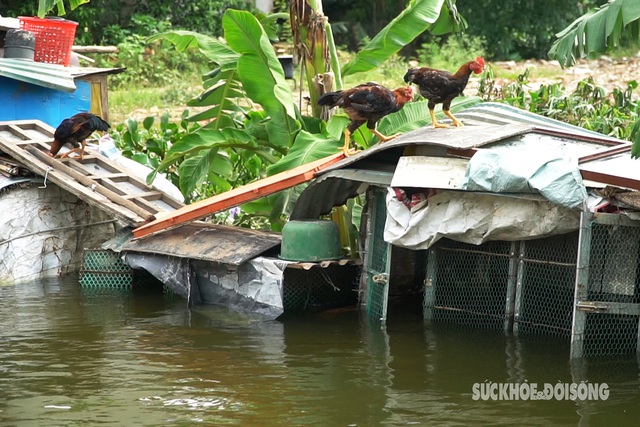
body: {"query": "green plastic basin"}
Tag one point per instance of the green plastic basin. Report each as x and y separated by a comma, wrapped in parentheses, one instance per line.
(310, 240)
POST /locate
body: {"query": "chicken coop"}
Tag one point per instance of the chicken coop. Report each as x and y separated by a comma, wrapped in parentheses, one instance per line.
(514, 223)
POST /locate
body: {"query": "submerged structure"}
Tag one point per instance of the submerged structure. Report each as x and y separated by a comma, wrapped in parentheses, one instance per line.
(514, 222)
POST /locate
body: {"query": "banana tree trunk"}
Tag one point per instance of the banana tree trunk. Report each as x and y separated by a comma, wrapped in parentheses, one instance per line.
(315, 50)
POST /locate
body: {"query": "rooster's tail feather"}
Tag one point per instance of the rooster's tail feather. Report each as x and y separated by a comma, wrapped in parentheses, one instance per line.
(330, 99)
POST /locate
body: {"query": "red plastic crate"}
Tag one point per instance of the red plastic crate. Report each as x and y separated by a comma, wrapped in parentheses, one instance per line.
(54, 38)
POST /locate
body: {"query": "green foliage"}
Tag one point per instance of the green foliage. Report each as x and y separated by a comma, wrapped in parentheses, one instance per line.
(520, 29)
(147, 63)
(46, 6)
(148, 142)
(597, 31)
(246, 69)
(241, 143)
(457, 50)
(204, 16)
(616, 114)
(418, 16)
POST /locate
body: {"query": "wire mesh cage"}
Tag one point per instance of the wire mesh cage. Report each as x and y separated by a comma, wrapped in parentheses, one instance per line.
(376, 263)
(607, 311)
(104, 268)
(319, 288)
(546, 281)
(581, 285)
(468, 284)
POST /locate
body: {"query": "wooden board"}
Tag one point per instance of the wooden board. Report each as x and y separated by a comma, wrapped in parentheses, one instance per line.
(432, 172)
(96, 179)
(237, 196)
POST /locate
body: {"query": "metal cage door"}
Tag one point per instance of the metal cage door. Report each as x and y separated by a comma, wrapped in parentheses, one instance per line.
(378, 258)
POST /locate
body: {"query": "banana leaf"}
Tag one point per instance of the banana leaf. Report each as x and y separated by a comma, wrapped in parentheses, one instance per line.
(194, 142)
(415, 115)
(46, 6)
(306, 148)
(260, 72)
(416, 18)
(214, 49)
(597, 31)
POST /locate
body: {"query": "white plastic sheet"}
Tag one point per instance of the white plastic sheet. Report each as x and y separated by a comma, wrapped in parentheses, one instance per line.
(474, 218)
(44, 230)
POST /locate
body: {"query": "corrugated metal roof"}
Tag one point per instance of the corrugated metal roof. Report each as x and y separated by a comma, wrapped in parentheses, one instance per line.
(603, 159)
(88, 71)
(485, 124)
(334, 189)
(208, 242)
(38, 73)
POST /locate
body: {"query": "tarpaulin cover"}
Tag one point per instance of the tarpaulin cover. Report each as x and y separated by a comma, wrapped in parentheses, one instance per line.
(550, 174)
(254, 287)
(43, 230)
(474, 218)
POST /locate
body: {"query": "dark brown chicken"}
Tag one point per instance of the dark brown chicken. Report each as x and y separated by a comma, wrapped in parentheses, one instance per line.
(366, 103)
(441, 87)
(74, 131)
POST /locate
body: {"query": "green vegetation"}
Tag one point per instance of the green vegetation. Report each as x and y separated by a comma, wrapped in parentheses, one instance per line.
(589, 106)
(220, 113)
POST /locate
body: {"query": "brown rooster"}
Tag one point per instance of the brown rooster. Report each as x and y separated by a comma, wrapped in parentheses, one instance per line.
(367, 103)
(441, 87)
(74, 131)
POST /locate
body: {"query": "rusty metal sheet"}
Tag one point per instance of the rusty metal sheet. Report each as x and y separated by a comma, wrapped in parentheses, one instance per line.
(208, 242)
(239, 195)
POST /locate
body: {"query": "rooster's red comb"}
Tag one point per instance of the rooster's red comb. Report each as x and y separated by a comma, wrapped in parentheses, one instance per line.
(480, 60)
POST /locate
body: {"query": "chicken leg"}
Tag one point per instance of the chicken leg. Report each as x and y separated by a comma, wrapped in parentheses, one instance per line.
(345, 148)
(382, 137)
(75, 150)
(434, 122)
(456, 122)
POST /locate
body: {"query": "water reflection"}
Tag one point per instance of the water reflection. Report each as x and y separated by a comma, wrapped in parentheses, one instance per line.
(71, 355)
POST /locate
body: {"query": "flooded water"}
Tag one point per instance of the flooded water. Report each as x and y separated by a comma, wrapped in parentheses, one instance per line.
(72, 356)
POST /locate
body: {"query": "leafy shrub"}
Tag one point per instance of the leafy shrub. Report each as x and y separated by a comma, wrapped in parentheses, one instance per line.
(148, 64)
(454, 52)
(589, 106)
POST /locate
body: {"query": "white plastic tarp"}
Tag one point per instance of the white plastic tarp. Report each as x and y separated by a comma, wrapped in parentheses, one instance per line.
(253, 287)
(474, 218)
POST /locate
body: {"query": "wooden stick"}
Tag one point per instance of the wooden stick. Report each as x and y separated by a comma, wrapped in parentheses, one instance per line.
(94, 49)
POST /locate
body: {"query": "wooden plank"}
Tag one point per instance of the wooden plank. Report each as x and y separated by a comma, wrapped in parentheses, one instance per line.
(430, 282)
(581, 293)
(432, 172)
(517, 258)
(237, 196)
(81, 192)
(92, 184)
(149, 195)
(27, 140)
(116, 180)
(610, 179)
(512, 286)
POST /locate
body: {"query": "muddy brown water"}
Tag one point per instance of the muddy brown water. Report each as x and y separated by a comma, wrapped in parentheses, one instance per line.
(73, 356)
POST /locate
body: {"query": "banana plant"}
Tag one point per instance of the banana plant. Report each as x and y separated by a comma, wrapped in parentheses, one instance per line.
(599, 31)
(247, 74)
(46, 6)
